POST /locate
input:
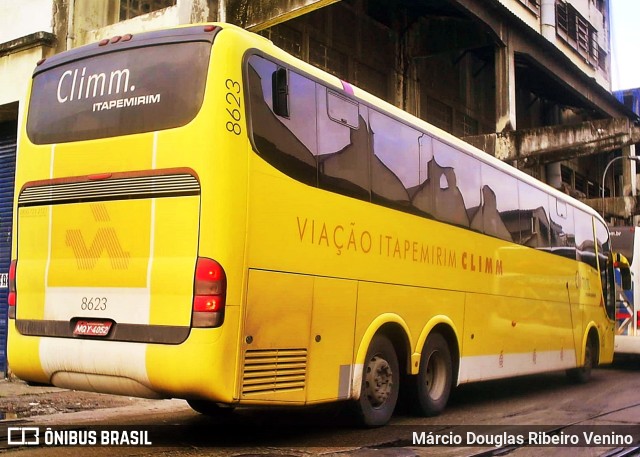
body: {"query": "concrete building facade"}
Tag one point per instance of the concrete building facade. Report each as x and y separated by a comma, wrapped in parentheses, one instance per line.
(527, 81)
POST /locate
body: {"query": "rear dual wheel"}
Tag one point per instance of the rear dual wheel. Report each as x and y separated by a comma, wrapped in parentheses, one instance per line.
(435, 378)
(381, 381)
(380, 384)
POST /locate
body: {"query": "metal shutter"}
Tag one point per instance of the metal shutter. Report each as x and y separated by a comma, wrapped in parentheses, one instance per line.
(8, 138)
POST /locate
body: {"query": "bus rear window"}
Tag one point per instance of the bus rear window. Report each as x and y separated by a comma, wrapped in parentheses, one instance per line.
(130, 91)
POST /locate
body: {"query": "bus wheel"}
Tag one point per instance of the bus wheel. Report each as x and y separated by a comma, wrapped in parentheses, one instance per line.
(433, 383)
(380, 384)
(210, 408)
(582, 374)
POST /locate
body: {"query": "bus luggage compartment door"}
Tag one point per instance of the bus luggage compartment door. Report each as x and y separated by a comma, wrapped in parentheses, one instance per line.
(298, 339)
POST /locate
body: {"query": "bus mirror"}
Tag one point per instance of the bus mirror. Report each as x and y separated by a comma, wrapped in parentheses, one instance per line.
(280, 92)
(622, 264)
(625, 273)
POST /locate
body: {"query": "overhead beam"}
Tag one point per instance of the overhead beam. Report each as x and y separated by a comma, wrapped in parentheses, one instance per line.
(527, 41)
(256, 15)
(557, 143)
(623, 207)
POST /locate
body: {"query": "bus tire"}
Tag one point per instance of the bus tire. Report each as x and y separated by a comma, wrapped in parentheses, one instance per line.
(435, 377)
(582, 375)
(380, 384)
(210, 408)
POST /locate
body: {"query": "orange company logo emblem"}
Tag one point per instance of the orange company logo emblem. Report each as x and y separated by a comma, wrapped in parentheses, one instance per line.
(106, 239)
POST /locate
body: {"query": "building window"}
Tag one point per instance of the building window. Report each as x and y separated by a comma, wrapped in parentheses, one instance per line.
(439, 114)
(372, 80)
(285, 38)
(465, 125)
(328, 59)
(532, 5)
(580, 185)
(133, 8)
(602, 59)
(577, 32)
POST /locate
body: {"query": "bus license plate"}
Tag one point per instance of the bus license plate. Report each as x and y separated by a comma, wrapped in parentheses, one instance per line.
(92, 328)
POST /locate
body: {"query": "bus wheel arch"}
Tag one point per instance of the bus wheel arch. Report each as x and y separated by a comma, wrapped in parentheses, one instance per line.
(376, 389)
(397, 331)
(590, 357)
(446, 327)
(438, 371)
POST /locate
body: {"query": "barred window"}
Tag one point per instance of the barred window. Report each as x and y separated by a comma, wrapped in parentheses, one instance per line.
(465, 125)
(577, 32)
(602, 59)
(533, 5)
(439, 114)
(133, 8)
(286, 38)
(328, 58)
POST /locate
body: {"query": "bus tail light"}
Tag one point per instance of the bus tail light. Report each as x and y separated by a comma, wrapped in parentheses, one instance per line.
(209, 293)
(12, 298)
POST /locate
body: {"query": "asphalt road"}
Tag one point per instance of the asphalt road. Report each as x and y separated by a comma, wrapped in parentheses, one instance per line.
(607, 408)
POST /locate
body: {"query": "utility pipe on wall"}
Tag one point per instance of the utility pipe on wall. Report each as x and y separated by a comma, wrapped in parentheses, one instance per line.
(70, 23)
(548, 19)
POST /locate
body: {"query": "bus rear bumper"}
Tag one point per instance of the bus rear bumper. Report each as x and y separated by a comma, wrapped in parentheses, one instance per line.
(106, 384)
(143, 370)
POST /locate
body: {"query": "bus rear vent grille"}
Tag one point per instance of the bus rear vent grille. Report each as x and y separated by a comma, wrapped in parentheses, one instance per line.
(274, 370)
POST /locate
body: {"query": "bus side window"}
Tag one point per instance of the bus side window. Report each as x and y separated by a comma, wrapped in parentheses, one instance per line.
(585, 244)
(535, 227)
(395, 161)
(450, 183)
(287, 143)
(343, 151)
(342, 110)
(498, 213)
(563, 238)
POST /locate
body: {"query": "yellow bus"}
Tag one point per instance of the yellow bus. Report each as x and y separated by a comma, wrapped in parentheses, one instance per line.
(200, 215)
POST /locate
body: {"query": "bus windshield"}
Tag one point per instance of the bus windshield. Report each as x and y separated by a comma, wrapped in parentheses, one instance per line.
(130, 91)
